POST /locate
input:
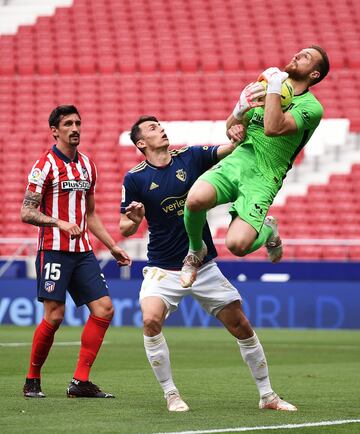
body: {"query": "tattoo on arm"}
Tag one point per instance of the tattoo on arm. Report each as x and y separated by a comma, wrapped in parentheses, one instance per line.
(30, 213)
(31, 200)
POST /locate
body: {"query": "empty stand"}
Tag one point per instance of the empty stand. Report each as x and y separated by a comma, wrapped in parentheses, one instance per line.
(187, 61)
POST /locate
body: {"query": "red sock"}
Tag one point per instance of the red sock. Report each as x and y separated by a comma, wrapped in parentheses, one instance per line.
(91, 340)
(42, 341)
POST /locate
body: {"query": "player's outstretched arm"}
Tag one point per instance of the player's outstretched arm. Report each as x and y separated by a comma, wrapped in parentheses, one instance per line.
(130, 221)
(32, 215)
(236, 134)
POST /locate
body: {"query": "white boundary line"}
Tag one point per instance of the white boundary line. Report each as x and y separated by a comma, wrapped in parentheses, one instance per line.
(27, 344)
(270, 427)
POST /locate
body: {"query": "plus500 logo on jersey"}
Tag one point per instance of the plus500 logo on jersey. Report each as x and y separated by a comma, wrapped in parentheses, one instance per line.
(75, 185)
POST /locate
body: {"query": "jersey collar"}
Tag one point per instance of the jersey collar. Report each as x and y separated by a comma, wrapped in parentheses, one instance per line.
(64, 157)
(160, 167)
(303, 93)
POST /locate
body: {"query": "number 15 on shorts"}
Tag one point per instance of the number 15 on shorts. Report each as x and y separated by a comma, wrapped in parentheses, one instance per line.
(52, 271)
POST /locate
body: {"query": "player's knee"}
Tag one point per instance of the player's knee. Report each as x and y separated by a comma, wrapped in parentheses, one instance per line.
(107, 312)
(55, 318)
(152, 325)
(237, 247)
(195, 202)
(102, 308)
(243, 328)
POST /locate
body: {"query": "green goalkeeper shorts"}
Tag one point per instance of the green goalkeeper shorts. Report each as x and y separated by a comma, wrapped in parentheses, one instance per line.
(236, 179)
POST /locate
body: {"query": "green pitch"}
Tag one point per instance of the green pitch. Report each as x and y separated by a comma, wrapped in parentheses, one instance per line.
(316, 370)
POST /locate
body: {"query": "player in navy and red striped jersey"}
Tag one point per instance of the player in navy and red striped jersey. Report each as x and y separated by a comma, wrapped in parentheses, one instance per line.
(62, 183)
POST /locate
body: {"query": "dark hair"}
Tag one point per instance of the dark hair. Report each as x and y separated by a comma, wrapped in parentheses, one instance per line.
(323, 64)
(135, 133)
(59, 112)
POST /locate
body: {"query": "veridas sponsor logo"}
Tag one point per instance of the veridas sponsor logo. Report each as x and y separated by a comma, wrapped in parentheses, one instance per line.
(75, 185)
(172, 205)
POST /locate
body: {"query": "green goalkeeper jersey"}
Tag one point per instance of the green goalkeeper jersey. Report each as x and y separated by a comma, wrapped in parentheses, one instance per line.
(275, 155)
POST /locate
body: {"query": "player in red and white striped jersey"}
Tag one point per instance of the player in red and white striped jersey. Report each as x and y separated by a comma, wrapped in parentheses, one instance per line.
(60, 199)
(64, 185)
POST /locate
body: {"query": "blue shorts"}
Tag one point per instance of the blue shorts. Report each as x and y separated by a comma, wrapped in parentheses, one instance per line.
(77, 273)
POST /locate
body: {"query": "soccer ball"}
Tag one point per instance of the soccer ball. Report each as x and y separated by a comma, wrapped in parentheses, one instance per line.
(287, 93)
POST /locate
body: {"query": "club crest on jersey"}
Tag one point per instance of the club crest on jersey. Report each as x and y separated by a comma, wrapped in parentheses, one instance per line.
(73, 184)
(85, 173)
(49, 286)
(181, 174)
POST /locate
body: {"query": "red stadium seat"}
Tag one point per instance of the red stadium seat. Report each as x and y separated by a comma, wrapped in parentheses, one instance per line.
(86, 64)
(258, 255)
(335, 253)
(223, 252)
(354, 253)
(107, 64)
(308, 252)
(66, 65)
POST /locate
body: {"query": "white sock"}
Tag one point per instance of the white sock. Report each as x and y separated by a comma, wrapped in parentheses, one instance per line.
(158, 355)
(253, 354)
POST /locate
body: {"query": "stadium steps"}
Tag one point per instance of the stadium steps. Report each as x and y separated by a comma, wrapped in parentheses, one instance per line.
(305, 174)
(25, 12)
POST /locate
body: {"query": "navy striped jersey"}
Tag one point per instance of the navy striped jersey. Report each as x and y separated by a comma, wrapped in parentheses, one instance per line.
(163, 191)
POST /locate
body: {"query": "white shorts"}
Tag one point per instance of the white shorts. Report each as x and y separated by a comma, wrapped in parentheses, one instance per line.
(211, 289)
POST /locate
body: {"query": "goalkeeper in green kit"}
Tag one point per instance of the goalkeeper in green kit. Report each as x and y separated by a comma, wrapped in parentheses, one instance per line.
(252, 175)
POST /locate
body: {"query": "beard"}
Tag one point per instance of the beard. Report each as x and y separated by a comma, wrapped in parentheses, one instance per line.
(292, 69)
(74, 140)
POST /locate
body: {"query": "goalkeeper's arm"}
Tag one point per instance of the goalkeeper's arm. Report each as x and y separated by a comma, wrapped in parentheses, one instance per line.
(251, 96)
(235, 128)
(276, 123)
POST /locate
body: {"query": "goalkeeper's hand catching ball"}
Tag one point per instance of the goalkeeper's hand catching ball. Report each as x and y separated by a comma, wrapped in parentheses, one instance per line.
(274, 78)
(251, 96)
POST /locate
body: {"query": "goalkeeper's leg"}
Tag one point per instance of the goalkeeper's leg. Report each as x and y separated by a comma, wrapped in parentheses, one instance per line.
(202, 196)
(154, 312)
(242, 238)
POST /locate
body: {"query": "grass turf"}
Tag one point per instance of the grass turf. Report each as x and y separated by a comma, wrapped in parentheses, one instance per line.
(316, 370)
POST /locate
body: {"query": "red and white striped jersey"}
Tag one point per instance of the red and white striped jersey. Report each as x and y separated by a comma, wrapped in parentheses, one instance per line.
(64, 185)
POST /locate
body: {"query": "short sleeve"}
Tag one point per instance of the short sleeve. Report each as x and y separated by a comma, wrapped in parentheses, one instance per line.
(307, 116)
(207, 156)
(39, 176)
(93, 178)
(129, 192)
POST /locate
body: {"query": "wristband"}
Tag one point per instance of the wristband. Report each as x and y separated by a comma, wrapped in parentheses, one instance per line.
(274, 85)
(237, 113)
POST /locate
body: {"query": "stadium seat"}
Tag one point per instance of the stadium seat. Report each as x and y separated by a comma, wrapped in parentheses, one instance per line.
(354, 253)
(223, 252)
(308, 252)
